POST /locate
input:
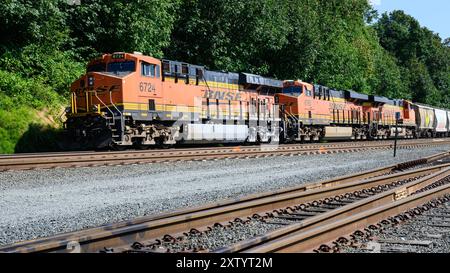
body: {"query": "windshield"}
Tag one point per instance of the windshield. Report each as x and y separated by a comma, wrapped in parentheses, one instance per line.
(100, 67)
(292, 90)
(121, 67)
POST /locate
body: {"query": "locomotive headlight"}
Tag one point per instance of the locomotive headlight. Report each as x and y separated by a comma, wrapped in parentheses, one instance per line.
(91, 81)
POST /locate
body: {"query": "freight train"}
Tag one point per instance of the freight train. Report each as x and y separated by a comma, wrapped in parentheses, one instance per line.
(128, 99)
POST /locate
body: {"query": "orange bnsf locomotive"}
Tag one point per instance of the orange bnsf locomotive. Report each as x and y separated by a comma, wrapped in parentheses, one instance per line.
(134, 100)
(130, 99)
(313, 112)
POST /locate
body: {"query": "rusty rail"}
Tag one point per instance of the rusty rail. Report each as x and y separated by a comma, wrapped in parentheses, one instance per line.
(324, 228)
(121, 235)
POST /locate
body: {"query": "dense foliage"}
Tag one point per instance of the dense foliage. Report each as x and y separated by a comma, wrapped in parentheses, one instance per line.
(343, 44)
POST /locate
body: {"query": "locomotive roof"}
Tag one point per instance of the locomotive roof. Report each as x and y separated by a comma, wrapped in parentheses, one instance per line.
(350, 94)
(232, 77)
(337, 94)
(380, 99)
(124, 55)
(426, 106)
(247, 78)
(227, 77)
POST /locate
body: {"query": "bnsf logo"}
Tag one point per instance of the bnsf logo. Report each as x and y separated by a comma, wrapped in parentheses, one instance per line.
(221, 95)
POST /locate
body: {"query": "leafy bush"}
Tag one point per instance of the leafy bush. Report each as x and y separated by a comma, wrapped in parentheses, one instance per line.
(13, 124)
(20, 100)
(26, 92)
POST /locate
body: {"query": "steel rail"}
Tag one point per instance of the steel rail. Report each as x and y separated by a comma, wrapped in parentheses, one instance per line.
(181, 148)
(206, 149)
(132, 151)
(21, 162)
(121, 235)
(313, 232)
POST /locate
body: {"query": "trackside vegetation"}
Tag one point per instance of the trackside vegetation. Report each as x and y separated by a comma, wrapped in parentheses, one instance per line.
(344, 44)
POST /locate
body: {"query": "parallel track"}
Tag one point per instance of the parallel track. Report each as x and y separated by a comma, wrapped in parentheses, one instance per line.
(120, 237)
(317, 233)
(89, 159)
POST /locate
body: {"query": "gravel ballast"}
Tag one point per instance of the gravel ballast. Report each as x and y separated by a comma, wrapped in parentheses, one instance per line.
(39, 203)
(427, 233)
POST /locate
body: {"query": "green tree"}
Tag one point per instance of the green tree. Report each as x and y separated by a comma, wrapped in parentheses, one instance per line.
(423, 56)
(101, 26)
(230, 35)
(400, 34)
(37, 42)
(340, 47)
(36, 68)
(24, 22)
(388, 80)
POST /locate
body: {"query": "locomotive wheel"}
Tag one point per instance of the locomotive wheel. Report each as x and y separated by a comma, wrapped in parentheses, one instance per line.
(119, 148)
(161, 145)
(165, 146)
(142, 147)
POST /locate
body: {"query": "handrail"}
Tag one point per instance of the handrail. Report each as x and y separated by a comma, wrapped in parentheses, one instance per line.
(112, 113)
(61, 117)
(75, 102)
(113, 104)
(122, 125)
(209, 89)
(291, 115)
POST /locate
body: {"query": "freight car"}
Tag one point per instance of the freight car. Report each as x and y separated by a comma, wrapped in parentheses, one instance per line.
(129, 99)
(431, 121)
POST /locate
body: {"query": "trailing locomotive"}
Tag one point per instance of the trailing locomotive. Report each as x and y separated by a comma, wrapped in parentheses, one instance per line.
(315, 112)
(130, 99)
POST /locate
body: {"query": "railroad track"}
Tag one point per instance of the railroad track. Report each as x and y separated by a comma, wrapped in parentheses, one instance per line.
(423, 230)
(165, 232)
(90, 159)
(329, 231)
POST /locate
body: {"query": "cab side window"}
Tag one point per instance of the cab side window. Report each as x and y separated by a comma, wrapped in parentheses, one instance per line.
(148, 69)
(308, 93)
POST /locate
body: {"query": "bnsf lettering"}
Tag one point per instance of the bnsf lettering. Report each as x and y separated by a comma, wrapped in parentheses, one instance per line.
(336, 106)
(222, 95)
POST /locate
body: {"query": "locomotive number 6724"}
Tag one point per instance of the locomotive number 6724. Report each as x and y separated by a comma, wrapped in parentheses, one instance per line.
(146, 87)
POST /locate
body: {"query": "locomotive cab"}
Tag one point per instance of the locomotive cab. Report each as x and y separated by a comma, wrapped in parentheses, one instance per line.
(100, 98)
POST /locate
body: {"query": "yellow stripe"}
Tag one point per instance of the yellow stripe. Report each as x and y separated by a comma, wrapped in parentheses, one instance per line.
(337, 99)
(159, 107)
(220, 85)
